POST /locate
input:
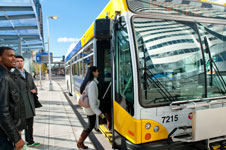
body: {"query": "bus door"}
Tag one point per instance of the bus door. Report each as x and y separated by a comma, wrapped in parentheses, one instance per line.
(103, 55)
(70, 81)
(104, 67)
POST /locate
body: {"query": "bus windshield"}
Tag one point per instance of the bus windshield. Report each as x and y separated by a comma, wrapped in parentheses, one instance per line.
(180, 60)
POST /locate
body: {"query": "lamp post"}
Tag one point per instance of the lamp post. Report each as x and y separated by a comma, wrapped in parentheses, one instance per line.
(50, 72)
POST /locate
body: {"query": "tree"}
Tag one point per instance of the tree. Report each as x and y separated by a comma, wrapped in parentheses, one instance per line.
(44, 68)
(36, 68)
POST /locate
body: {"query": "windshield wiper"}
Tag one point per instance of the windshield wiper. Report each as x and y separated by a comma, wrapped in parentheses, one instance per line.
(162, 90)
(218, 74)
(150, 76)
(210, 60)
(214, 66)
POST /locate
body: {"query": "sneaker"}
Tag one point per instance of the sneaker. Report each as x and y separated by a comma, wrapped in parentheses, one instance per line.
(24, 148)
(33, 144)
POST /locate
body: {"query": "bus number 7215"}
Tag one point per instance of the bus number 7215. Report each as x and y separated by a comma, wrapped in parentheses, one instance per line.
(168, 119)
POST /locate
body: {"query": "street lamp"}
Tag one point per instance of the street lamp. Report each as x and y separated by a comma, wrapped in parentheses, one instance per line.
(50, 73)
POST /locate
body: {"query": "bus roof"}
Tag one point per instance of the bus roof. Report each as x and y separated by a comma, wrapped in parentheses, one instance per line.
(111, 7)
(192, 8)
(220, 2)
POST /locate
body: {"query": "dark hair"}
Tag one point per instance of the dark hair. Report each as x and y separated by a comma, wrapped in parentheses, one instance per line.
(89, 77)
(19, 56)
(2, 49)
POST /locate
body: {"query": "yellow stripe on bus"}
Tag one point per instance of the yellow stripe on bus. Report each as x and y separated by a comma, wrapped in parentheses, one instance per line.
(215, 2)
(112, 6)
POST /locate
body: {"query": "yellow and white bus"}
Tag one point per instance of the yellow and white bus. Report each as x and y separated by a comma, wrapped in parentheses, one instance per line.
(162, 67)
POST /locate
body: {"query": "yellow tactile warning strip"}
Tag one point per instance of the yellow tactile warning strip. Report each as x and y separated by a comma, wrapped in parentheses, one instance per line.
(106, 133)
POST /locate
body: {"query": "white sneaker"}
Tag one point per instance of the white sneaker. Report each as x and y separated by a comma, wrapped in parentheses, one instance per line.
(25, 147)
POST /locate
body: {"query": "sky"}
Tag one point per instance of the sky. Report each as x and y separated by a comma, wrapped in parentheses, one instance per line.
(74, 18)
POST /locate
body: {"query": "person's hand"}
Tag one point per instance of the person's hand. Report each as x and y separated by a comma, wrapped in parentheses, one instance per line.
(33, 91)
(20, 144)
(102, 115)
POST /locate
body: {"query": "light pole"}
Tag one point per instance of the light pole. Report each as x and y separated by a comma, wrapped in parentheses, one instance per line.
(50, 72)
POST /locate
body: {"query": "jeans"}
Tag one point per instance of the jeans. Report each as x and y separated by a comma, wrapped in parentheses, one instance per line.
(91, 123)
(6, 144)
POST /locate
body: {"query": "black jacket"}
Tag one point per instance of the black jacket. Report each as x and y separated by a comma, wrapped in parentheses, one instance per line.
(26, 85)
(9, 106)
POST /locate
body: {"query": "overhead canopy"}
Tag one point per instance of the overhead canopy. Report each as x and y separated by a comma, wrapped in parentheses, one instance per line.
(21, 24)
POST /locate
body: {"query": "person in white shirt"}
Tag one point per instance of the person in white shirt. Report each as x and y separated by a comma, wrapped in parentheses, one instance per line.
(91, 82)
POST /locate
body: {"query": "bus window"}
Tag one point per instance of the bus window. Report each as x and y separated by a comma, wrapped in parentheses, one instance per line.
(90, 61)
(86, 61)
(80, 68)
(107, 66)
(80, 65)
(88, 51)
(78, 71)
(75, 59)
(74, 69)
(124, 73)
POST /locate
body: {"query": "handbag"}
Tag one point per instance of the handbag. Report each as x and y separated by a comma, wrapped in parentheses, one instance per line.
(84, 99)
(37, 103)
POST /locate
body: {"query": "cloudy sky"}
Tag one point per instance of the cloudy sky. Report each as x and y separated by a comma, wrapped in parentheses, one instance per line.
(74, 18)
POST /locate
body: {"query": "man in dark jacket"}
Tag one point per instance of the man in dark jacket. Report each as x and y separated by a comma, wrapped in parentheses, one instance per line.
(27, 88)
(10, 138)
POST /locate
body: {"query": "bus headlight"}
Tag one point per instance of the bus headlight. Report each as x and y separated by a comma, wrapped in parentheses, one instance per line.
(147, 126)
(156, 128)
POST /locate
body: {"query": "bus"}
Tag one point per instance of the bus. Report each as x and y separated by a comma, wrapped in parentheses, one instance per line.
(162, 66)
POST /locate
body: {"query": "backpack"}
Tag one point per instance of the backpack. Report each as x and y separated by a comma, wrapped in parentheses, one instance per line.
(84, 99)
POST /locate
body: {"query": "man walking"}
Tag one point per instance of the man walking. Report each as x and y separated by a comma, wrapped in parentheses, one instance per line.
(27, 89)
(10, 138)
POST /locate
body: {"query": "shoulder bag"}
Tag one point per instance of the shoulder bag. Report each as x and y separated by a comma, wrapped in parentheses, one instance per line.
(84, 99)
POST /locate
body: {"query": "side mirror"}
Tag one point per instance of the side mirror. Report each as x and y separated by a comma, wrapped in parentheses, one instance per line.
(102, 29)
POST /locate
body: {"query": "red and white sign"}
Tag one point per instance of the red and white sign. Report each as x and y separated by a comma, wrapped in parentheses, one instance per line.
(190, 115)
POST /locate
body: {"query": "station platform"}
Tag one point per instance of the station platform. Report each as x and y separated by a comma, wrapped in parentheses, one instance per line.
(56, 126)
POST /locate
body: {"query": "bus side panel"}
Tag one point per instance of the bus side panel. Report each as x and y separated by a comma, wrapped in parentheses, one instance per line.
(126, 125)
(77, 83)
(68, 81)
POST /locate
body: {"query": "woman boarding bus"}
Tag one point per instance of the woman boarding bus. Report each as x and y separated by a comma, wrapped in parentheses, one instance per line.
(162, 73)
